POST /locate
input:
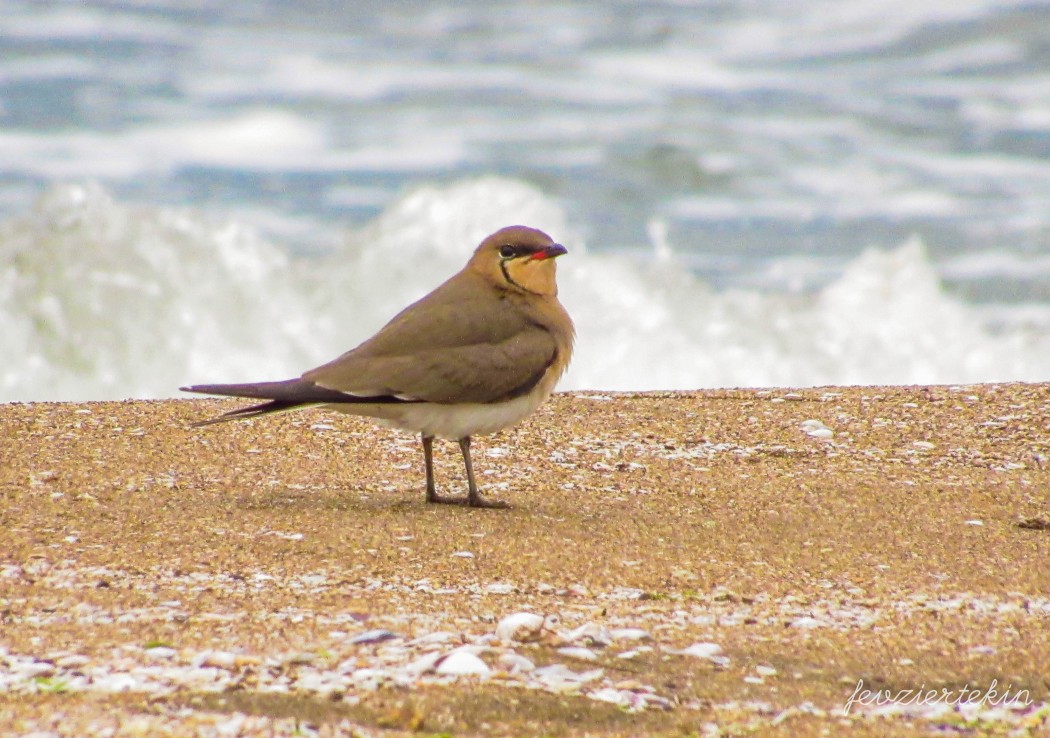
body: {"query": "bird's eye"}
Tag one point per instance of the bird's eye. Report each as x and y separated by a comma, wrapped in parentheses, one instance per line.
(507, 251)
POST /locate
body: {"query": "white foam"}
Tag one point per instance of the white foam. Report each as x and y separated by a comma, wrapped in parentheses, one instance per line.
(80, 23)
(886, 320)
(307, 74)
(980, 265)
(801, 30)
(101, 299)
(262, 139)
(55, 66)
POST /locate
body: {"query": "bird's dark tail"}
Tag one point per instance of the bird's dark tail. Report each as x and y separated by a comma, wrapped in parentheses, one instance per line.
(288, 395)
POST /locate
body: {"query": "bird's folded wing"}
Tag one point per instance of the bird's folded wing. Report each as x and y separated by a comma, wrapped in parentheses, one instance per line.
(486, 371)
(462, 343)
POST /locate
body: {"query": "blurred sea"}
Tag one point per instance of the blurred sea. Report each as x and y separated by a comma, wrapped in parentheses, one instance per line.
(753, 192)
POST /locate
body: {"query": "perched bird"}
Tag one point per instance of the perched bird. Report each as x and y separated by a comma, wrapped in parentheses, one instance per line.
(476, 355)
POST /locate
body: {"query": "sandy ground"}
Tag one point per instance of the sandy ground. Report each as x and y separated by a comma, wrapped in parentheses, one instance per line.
(703, 563)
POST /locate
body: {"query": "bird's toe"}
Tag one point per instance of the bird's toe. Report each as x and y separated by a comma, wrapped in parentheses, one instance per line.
(479, 501)
(436, 499)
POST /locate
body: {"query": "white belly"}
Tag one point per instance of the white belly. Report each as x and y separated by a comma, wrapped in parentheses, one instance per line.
(450, 421)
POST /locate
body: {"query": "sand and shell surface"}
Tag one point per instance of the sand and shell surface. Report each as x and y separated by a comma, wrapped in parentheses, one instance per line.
(743, 561)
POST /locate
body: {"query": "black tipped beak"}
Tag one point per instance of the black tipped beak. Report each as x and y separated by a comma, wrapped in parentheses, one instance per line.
(555, 249)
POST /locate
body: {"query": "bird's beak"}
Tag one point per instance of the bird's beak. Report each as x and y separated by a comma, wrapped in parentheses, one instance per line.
(555, 249)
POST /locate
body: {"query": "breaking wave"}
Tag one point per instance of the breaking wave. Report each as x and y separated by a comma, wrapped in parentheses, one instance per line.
(101, 299)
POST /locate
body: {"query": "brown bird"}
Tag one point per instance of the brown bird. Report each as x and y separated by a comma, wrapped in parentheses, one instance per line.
(476, 355)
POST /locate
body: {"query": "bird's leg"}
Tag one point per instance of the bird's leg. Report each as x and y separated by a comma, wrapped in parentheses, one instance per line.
(428, 458)
(474, 498)
(432, 495)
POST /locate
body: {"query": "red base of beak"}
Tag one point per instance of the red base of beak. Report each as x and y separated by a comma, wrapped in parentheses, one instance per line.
(555, 249)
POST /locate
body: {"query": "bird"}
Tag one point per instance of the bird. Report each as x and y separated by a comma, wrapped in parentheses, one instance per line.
(476, 355)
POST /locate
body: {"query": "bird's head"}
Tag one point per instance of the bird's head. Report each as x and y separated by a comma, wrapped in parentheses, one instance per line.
(518, 257)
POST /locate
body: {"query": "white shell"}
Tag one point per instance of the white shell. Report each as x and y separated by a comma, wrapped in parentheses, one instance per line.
(578, 652)
(615, 696)
(373, 636)
(424, 664)
(702, 650)
(520, 626)
(516, 663)
(441, 636)
(590, 634)
(630, 634)
(72, 661)
(216, 659)
(816, 429)
(806, 622)
(460, 663)
(35, 669)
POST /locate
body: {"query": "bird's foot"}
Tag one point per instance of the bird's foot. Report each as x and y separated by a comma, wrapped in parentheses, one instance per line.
(479, 501)
(435, 498)
(475, 500)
